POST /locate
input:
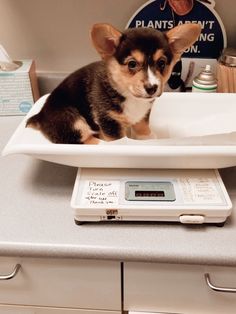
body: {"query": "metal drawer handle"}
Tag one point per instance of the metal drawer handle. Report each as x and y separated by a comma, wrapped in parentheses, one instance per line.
(218, 289)
(11, 275)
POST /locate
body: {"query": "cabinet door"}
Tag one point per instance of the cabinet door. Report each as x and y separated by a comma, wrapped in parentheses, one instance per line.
(177, 289)
(38, 310)
(62, 283)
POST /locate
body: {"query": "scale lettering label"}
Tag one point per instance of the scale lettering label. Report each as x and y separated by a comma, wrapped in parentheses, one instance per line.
(199, 191)
(100, 193)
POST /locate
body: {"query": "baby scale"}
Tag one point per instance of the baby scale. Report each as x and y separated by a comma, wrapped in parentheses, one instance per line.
(169, 179)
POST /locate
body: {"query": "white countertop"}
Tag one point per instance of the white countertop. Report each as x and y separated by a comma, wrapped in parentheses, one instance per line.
(36, 220)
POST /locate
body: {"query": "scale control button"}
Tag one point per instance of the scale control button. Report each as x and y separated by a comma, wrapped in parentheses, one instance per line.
(191, 219)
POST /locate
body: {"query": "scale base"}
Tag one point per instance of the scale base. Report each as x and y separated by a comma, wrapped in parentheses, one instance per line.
(81, 223)
(149, 220)
(190, 197)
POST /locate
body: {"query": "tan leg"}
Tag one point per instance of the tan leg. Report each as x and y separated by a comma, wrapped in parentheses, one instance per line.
(141, 130)
(92, 140)
(85, 131)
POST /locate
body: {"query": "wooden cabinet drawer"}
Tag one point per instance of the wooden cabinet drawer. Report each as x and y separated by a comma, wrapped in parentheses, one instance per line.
(177, 288)
(41, 310)
(62, 283)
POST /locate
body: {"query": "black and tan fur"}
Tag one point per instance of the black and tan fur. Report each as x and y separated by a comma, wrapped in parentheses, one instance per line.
(103, 99)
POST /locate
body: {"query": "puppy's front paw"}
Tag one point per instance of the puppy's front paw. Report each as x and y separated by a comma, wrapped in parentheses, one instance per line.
(149, 136)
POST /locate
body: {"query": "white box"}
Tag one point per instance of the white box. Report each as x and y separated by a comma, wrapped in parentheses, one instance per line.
(18, 89)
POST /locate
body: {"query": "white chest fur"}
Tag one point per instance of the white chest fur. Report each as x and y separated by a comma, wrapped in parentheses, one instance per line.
(135, 109)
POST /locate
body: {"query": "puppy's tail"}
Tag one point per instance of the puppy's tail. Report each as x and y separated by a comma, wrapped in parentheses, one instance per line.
(34, 122)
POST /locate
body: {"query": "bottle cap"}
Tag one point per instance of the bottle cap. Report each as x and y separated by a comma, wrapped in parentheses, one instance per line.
(206, 77)
(228, 57)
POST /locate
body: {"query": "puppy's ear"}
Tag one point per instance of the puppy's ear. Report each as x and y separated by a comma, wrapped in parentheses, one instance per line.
(182, 37)
(105, 39)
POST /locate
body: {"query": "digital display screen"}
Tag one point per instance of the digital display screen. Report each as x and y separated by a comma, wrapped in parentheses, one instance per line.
(149, 193)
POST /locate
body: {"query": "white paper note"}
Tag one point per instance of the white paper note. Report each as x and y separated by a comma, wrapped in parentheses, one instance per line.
(100, 193)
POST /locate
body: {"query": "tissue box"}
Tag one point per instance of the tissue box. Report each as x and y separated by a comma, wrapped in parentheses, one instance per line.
(18, 89)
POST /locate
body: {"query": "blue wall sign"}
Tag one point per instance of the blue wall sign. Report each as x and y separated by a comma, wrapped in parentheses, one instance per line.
(160, 15)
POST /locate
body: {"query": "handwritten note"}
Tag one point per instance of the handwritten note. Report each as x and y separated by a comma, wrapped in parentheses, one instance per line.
(100, 193)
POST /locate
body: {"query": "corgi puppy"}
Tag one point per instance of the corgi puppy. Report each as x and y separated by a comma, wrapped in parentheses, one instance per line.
(104, 99)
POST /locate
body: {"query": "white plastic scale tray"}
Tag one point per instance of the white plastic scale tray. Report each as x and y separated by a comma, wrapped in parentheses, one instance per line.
(186, 196)
(194, 131)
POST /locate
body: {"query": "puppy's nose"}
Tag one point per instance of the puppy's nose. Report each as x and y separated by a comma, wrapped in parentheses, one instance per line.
(150, 89)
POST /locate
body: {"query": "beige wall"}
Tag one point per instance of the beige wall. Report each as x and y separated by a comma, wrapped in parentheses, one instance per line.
(55, 32)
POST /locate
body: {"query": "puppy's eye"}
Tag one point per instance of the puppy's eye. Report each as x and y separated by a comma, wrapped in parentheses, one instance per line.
(132, 65)
(161, 64)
